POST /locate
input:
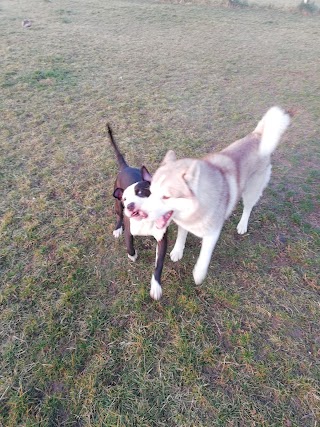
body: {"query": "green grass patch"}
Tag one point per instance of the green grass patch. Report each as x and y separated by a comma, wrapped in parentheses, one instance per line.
(42, 78)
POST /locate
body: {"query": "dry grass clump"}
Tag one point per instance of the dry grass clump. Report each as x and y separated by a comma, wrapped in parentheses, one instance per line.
(81, 342)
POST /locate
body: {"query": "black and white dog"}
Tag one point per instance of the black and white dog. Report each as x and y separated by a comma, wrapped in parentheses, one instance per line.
(130, 189)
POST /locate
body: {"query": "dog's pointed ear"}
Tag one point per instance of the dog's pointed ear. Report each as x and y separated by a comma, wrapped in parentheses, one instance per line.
(191, 176)
(118, 192)
(146, 176)
(169, 157)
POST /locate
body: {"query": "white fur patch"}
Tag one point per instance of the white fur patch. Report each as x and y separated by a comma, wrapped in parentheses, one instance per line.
(133, 257)
(199, 273)
(242, 227)
(250, 197)
(202, 264)
(233, 194)
(145, 227)
(117, 233)
(271, 127)
(155, 290)
(129, 196)
(177, 252)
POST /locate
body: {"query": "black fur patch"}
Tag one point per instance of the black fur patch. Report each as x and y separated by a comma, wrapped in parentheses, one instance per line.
(141, 189)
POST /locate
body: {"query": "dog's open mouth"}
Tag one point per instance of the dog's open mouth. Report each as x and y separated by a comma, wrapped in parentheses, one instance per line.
(138, 215)
(163, 220)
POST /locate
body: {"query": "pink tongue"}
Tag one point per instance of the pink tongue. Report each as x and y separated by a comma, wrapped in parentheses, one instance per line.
(160, 223)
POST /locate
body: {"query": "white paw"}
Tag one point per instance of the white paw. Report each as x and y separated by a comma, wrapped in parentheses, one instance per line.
(133, 257)
(199, 274)
(117, 233)
(176, 254)
(155, 290)
(242, 227)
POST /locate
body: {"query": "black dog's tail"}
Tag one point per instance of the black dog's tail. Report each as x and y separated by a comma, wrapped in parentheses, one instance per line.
(121, 161)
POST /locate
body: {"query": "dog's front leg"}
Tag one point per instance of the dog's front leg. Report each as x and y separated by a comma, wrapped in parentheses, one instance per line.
(156, 290)
(132, 253)
(177, 251)
(119, 226)
(202, 264)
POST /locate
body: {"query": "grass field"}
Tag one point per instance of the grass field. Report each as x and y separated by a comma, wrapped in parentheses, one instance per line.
(82, 343)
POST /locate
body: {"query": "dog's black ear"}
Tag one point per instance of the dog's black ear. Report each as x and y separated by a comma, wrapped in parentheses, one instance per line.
(118, 192)
(145, 174)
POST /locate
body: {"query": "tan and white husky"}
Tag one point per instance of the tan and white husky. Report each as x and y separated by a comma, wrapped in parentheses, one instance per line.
(200, 194)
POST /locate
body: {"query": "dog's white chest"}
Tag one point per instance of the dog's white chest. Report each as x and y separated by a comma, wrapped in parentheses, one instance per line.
(145, 228)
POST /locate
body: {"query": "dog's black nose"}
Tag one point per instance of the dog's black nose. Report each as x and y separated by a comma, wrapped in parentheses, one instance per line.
(130, 207)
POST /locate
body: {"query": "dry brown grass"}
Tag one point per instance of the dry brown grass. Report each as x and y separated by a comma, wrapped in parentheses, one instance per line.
(81, 342)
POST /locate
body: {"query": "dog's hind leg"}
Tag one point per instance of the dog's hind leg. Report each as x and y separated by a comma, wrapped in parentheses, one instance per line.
(156, 290)
(250, 196)
(177, 251)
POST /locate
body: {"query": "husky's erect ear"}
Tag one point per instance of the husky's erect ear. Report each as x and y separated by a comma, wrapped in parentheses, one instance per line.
(169, 157)
(146, 176)
(184, 191)
(192, 175)
(118, 192)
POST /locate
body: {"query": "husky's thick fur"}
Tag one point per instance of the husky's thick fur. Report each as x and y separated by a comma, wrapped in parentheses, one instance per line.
(200, 194)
